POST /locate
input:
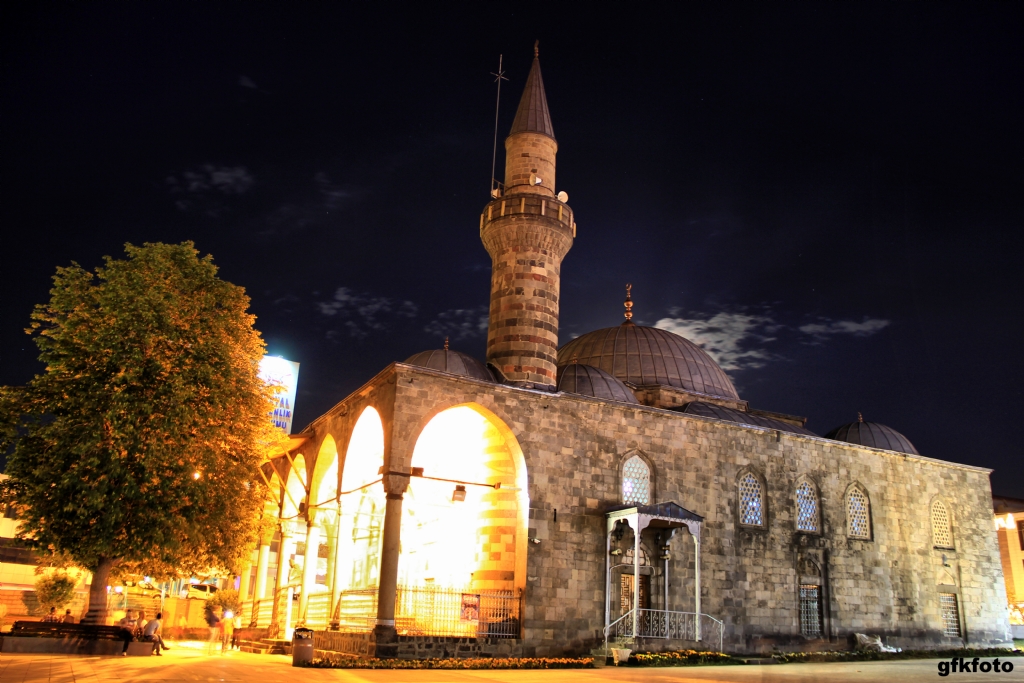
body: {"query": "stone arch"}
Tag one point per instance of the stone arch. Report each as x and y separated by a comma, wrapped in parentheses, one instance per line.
(940, 514)
(323, 487)
(362, 504)
(807, 497)
(857, 506)
(295, 490)
(751, 500)
(628, 471)
(479, 542)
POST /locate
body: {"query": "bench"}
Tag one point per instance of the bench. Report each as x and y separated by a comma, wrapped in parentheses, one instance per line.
(54, 637)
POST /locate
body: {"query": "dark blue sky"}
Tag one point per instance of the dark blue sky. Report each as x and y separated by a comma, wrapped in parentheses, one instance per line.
(828, 196)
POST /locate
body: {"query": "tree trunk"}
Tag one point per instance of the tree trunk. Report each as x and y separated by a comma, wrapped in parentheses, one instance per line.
(97, 613)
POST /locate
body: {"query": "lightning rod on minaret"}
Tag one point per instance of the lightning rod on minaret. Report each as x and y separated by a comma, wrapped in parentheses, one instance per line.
(498, 78)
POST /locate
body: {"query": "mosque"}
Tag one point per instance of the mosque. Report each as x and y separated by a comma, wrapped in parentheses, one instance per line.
(549, 500)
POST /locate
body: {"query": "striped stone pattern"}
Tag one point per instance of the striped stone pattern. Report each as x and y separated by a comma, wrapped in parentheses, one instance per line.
(496, 533)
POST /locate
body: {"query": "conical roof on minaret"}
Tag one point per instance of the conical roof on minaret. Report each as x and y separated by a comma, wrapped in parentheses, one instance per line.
(532, 115)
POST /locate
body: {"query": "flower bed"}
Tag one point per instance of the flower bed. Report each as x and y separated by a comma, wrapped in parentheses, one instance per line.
(495, 663)
(681, 658)
(867, 656)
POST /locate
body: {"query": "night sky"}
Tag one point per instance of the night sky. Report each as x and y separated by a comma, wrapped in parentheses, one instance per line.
(826, 196)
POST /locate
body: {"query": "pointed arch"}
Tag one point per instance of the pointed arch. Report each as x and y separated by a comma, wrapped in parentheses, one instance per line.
(479, 541)
(636, 478)
(808, 506)
(362, 507)
(942, 523)
(295, 493)
(324, 484)
(752, 504)
(858, 512)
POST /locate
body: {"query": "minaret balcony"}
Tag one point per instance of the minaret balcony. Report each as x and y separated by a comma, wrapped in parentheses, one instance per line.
(523, 205)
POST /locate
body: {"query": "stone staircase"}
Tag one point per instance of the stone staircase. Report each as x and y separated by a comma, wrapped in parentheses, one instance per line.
(603, 656)
(266, 646)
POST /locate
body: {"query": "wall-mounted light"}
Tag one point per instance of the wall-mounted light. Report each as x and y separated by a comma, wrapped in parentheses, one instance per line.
(459, 495)
(534, 540)
(616, 552)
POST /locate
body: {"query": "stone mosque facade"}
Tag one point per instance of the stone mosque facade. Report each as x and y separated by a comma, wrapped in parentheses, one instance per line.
(492, 506)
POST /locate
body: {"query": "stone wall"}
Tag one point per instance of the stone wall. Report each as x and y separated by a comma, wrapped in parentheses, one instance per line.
(574, 448)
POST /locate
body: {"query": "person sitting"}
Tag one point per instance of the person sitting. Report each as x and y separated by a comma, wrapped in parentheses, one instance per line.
(68, 618)
(52, 616)
(127, 626)
(152, 634)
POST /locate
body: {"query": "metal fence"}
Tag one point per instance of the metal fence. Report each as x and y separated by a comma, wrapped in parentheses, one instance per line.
(424, 611)
(654, 623)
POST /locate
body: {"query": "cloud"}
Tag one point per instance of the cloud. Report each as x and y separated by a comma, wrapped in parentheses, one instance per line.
(828, 327)
(727, 337)
(246, 82)
(207, 180)
(459, 323)
(364, 313)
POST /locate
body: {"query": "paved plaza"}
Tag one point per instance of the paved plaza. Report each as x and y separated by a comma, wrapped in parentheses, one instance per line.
(192, 664)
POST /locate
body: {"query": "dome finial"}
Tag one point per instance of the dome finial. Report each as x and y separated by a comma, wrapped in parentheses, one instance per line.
(860, 418)
(629, 305)
(446, 343)
(536, 49)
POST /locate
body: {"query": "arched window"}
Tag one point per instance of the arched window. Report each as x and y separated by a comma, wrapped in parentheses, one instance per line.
(858, 513)
(751, 501)
(942, 533)
(806, 507)
(636, 481)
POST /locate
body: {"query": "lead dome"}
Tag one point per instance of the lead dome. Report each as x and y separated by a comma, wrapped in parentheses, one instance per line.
(873, 435)
(454, 362)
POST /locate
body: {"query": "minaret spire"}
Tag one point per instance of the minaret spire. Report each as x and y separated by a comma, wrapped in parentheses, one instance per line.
(527, 230)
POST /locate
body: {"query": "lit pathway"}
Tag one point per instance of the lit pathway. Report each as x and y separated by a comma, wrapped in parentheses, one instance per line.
(189, 664)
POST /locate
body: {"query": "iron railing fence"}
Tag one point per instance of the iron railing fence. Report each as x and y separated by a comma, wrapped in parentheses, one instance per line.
(318, 611)
(426, 611)
(655, 623)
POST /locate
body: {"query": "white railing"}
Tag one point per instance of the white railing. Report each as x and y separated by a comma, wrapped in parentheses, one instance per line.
(318, 611)
(656, 623)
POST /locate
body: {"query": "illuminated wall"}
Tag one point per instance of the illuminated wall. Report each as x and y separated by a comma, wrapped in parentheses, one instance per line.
(469, 544)
(362, 511)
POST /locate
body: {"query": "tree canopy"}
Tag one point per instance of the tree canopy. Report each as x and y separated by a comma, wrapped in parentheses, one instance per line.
(136, 449)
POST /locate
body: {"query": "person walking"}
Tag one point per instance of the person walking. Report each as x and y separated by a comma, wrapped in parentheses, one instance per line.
(228, 626)
(213, 622)
(152, 634)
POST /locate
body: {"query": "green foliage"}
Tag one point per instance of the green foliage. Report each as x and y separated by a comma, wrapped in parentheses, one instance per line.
(871, 656)
(226, 599)
(55, 589)
(151, 377)
(681, 658)
(489, 663)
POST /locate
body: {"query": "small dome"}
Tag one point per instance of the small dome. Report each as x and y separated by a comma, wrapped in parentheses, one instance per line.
(648, 355)
(455, 362)
(587, 380)
(873, 435)
(740, 417)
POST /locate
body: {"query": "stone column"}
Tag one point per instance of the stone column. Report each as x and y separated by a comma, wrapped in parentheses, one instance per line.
(284, 552)
(245, 580)
(335, 572)
(636, 575)
(263, 564)
(309, 562)
(386, 636)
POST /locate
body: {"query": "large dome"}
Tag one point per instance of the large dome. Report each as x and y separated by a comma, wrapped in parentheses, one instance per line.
(455, 362)
(587, 380)
(873, 435)
(648, 355)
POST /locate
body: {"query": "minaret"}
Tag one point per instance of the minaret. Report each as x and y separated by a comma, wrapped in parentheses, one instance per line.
(527, 230)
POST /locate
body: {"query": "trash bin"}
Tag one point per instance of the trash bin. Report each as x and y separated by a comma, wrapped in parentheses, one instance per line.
(302, 647)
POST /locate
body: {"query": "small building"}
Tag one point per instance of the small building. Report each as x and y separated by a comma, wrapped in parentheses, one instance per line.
(547, 499)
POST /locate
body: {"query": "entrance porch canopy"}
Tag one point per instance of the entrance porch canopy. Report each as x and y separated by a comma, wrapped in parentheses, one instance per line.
(667, 515)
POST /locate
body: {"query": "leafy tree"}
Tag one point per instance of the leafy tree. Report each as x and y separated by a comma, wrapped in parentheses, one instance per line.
(135, 451)
(55, 589)
(227, 599)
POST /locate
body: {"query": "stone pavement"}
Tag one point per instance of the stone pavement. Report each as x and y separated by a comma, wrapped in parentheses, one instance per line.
(193, 664)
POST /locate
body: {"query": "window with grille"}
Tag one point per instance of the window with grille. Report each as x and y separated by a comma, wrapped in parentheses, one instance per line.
(806, 508)
(636, 481)
(751, 502)
(941, 532)
(950, 615)
(858, 514)
(810, 610)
